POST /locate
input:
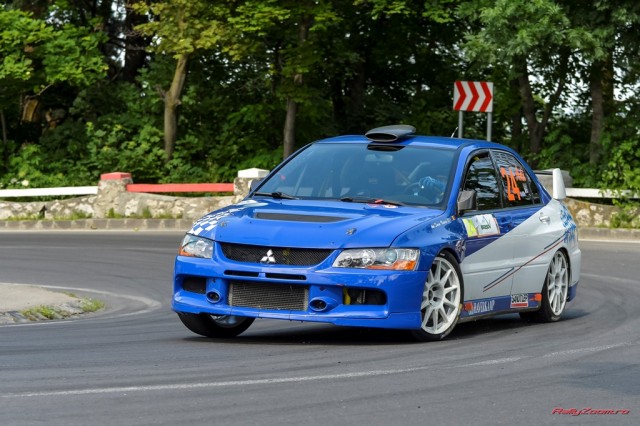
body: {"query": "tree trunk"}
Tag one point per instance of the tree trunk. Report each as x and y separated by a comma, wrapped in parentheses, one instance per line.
(601, 82)
(537, 128)
(290, 127)
(5, 142)
(597, 117)
(355, 98)
(536, 133)
(289, 132)
(171, 103)
(135, 45)
(516, 118)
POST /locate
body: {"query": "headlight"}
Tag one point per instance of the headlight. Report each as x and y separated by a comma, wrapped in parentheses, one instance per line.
(398, 259)
(194, 246)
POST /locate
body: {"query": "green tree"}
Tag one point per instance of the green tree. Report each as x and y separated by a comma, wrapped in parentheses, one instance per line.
(38, 55)
(536, 43)
(293, 31)
(609, 60)
(181, 29)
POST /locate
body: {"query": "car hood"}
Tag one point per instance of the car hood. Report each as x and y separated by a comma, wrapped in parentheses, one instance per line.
(309, 223)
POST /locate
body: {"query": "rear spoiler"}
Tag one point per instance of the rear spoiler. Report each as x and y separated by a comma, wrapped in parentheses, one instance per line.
(559, 192)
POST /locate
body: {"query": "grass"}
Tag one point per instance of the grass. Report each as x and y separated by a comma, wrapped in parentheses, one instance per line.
(36, 216)
(74, 216)
(25, 217)
(91, 305)
(146, 214)
(48, 312)
(81, 305)
(627, 217)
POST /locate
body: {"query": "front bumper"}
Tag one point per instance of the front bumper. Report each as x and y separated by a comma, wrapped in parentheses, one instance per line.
(207, 286)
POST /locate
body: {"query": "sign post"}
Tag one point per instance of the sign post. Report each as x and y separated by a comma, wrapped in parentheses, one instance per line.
(476, 96)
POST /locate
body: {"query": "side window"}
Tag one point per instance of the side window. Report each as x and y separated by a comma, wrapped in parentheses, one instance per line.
(481, 177)
(535, 193)
(517, 188)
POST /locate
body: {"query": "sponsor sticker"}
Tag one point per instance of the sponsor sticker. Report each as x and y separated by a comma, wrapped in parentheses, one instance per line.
(211, 220)
(481, 307)
(442, 222)
(520, 300)
(571, 230)
(481, 225)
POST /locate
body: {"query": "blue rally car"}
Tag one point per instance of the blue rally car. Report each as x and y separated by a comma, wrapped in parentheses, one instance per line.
(386, 230)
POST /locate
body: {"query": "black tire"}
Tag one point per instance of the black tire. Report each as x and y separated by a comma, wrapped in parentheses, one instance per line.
(215, 325)
(442, 295)
(554, 291)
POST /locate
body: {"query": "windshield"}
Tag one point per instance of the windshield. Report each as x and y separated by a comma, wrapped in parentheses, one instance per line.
(412, 175)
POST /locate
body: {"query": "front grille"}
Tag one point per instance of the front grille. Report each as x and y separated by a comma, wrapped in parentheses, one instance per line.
(274, 255)
(268, 296)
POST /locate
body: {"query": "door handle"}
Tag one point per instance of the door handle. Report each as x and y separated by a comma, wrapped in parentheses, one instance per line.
(544, 218)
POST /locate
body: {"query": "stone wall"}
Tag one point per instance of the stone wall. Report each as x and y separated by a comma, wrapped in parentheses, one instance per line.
(48, 209)
(113, 200)
(586, 215)
(597, 215)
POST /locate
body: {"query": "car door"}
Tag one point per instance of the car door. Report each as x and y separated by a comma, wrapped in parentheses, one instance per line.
(531, 223)
(489, 249)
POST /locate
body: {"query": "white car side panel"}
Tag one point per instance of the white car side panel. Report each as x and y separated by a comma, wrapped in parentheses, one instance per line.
(517, 261)
(488, 265)
(541, 236)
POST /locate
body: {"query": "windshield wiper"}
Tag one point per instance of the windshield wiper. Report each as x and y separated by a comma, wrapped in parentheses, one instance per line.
(371, 201)
(278, 195)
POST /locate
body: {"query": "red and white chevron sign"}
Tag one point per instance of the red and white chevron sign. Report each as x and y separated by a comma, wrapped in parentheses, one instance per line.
(473, 96)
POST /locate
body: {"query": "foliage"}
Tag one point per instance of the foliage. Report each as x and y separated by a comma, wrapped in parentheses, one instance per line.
(37, 52)
(622, 168)
(83, 305)
(362, 63)
(621, 163)
(628, 215)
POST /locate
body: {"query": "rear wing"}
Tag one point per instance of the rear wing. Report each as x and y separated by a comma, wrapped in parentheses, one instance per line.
(558, 191)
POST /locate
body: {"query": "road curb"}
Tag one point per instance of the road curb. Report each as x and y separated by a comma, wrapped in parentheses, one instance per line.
(614, 234)
(97, 224)
(23, 303)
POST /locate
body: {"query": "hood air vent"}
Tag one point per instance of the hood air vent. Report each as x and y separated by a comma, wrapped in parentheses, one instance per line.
(298, 217)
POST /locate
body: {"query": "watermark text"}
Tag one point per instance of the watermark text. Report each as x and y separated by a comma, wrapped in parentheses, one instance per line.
(588, 411)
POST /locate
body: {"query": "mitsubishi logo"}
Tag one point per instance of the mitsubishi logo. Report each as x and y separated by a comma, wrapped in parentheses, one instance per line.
(268, 258)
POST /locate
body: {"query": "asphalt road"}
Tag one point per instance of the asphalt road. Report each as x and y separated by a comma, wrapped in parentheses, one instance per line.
(136, 364)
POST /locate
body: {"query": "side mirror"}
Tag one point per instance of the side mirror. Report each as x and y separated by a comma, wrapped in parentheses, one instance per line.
(467, 200)
(255, 183)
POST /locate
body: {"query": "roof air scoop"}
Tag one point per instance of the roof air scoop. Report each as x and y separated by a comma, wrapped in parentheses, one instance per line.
(393, 133)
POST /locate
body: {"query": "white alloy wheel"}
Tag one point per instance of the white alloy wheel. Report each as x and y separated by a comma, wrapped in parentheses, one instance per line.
(554, 291)
(440, 306)
(557, 284)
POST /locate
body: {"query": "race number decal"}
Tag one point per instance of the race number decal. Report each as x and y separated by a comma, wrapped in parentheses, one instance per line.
(512, 178)
(481, 225)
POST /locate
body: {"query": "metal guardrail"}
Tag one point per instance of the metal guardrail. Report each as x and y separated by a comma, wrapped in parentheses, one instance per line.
(600, 193)
(180, 187)
(228, 187)
(46, 192)
(136, 187)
